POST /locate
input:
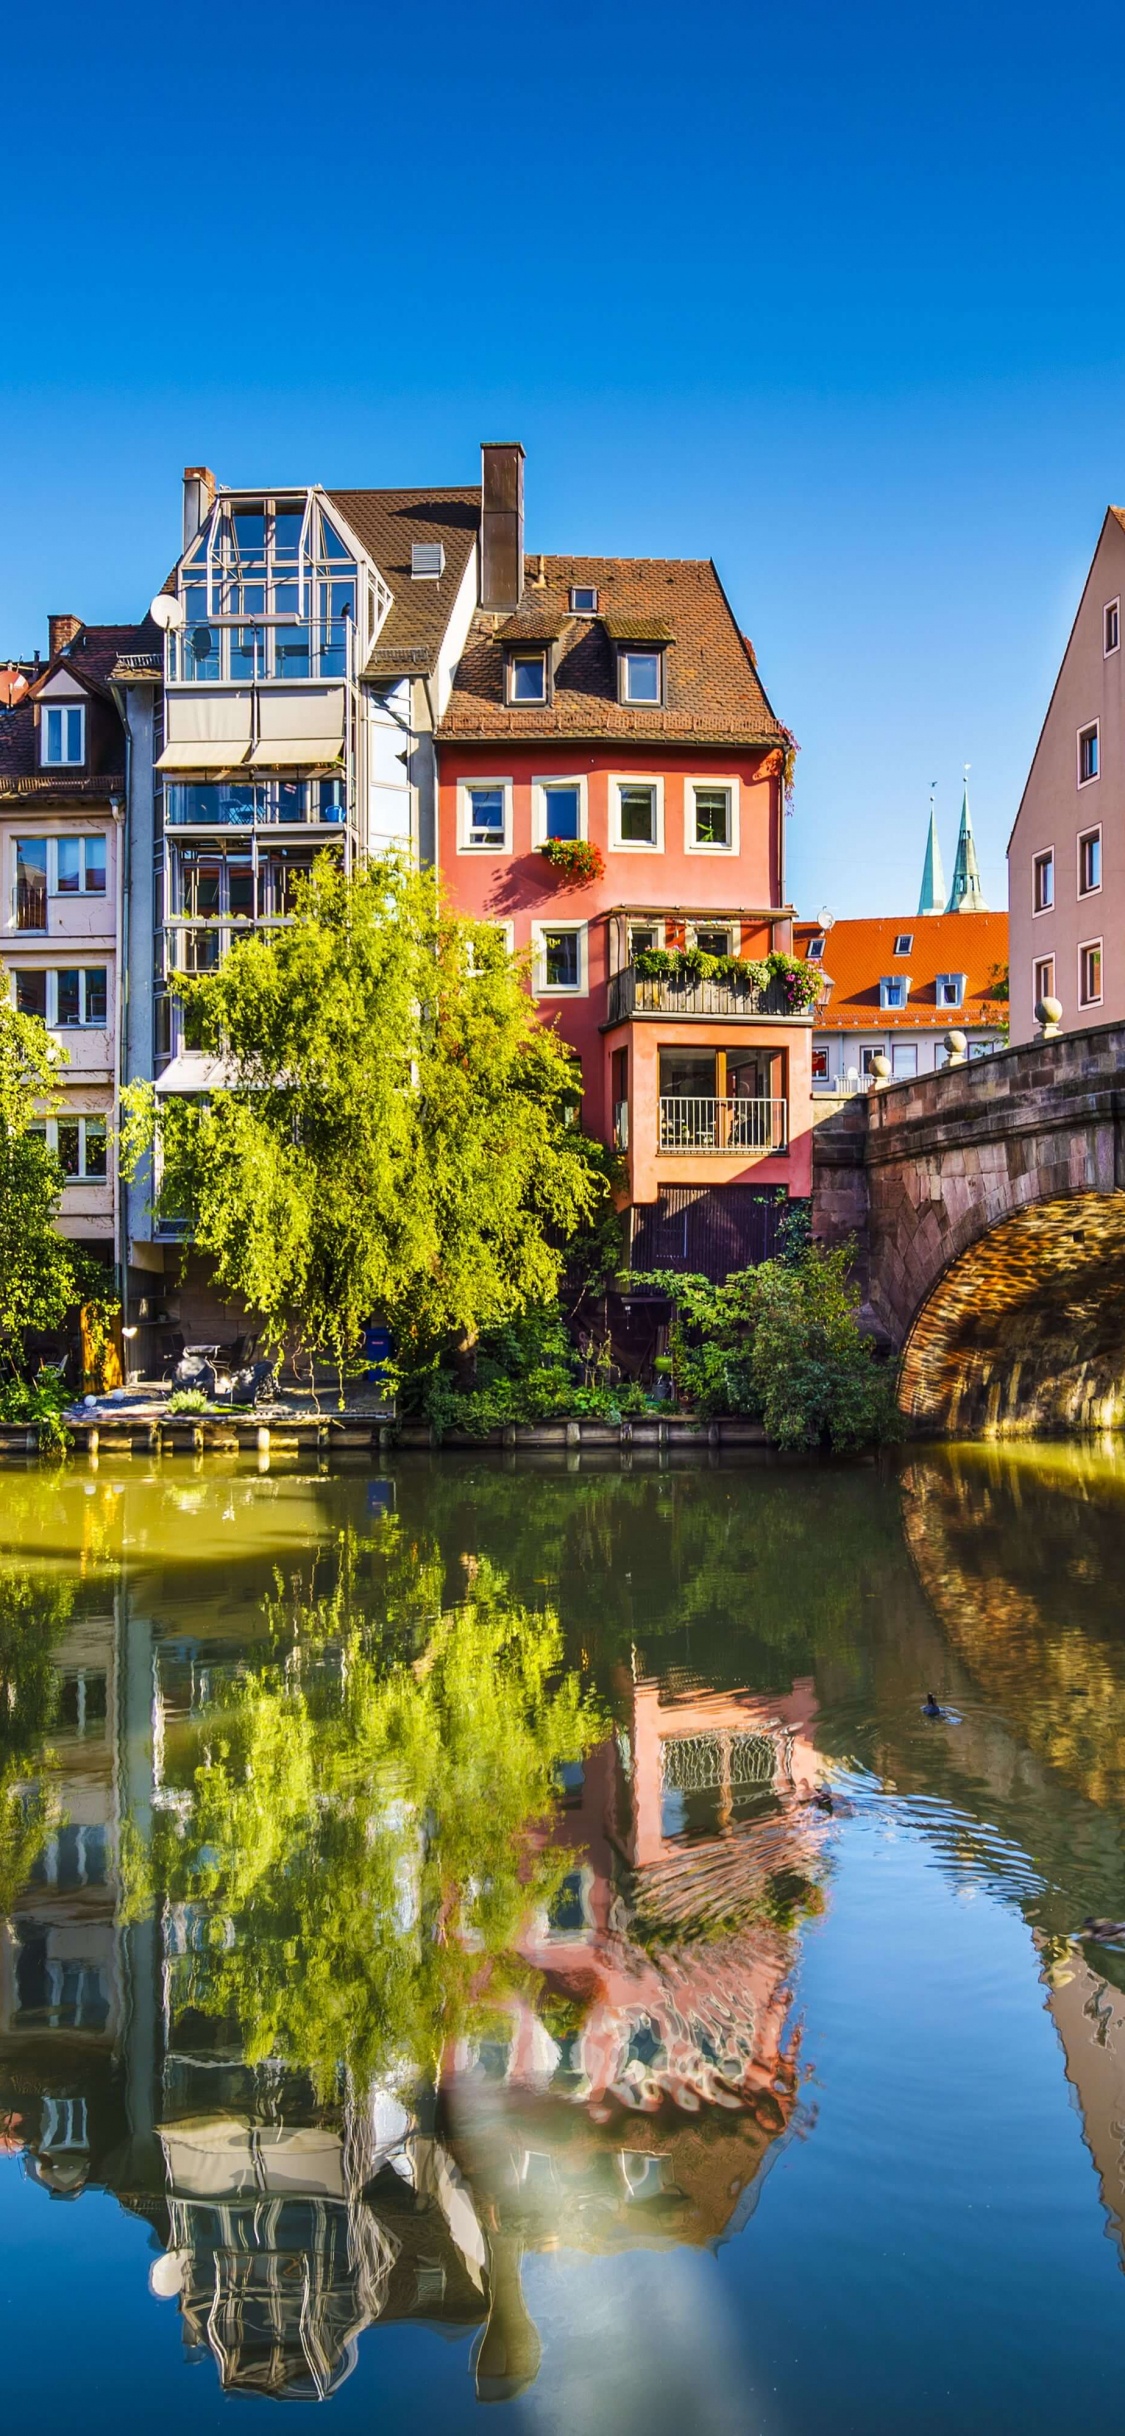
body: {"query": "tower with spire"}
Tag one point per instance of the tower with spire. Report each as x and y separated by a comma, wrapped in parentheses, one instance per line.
(966, 894)
(933, 877)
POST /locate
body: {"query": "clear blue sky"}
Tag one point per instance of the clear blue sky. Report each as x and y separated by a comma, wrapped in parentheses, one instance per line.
(832, 294)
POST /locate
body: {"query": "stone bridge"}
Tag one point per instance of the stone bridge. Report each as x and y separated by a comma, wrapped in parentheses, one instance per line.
(988, 1207)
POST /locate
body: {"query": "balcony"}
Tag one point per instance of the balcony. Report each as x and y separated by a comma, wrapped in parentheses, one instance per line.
(727, 1127)
(631, 996)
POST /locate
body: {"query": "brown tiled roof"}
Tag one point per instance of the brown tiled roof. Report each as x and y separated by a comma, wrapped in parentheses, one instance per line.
(713, 692)
(857, 955)
(388, 523)
(92, 658)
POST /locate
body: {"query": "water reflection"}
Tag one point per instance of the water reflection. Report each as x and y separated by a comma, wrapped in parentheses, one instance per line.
(405, 1878)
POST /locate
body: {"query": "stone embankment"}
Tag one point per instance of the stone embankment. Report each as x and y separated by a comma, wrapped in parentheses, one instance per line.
(109, 1435)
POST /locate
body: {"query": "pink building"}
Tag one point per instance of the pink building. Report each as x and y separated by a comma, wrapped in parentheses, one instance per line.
(1066, 854)
(613, 705)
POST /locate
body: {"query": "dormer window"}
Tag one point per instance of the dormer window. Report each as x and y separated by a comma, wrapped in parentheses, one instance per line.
(527, 676)
(640, 676)
(815, 949)
(584, 600)
(903, 943)
(894, 989)
(63, 735)
(951, 989)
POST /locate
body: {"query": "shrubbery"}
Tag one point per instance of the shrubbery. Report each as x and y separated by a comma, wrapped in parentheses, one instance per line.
(526, 1370)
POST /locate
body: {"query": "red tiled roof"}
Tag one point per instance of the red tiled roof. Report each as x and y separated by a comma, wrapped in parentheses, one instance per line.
(387, 523)
(91, 658)
(858, 954)
(713, 692)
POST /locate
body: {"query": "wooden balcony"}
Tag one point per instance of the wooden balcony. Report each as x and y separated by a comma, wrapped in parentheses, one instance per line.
(630, 997)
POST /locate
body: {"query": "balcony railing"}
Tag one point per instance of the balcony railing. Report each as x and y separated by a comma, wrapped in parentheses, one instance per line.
(724, 1126)
(630, 994)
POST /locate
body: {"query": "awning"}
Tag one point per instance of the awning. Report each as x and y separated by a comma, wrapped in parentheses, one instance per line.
(193, 1072)
(204, 753)
(296, 753)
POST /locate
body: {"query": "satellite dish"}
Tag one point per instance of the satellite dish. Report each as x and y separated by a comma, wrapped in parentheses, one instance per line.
(167, 610)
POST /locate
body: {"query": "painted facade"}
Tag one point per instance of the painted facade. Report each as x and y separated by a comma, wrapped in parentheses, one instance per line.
(1066, 853)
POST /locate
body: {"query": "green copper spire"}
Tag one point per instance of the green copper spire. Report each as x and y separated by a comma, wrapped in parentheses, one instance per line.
(933, 877)
(966, 896)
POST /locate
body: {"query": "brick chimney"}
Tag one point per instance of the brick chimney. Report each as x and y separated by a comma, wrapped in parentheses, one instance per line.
(501, 524)
(61, 630)
(199, 499)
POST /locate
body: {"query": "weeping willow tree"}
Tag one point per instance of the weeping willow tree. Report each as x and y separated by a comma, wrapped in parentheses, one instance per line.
(363, 1840)
(393, 1134)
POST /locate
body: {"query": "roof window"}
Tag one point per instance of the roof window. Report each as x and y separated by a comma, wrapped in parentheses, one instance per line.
(427, 560)
(904, 941)
(894, 989)
(584, 600)
(815, 949)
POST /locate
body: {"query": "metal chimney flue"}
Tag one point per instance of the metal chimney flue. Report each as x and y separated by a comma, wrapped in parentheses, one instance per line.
(199, 499)
(501, 525)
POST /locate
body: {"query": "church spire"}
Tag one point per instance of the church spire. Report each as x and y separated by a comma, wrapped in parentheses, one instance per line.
(966, 895)
(933, 877)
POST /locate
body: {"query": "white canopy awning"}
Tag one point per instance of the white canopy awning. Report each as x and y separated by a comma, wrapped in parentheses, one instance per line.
(204, 753)
(192, 1072)
(296, 753)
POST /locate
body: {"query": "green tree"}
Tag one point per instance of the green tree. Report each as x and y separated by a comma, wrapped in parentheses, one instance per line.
(361, 1842)
(782, 1342)
(39, 1271)
(34, 1613)
(395, 1133)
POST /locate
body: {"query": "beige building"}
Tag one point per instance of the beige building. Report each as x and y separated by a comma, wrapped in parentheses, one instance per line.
(1066, 854)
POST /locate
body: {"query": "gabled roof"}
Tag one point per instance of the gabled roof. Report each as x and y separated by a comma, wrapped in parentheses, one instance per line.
(858, 954)
(712, 688)
(91, 659)
(387, 523)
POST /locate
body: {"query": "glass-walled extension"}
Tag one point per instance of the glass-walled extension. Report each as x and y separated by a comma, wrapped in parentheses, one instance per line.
(270, 590)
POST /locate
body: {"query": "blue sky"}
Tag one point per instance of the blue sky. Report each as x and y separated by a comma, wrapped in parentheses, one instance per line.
(832, 295)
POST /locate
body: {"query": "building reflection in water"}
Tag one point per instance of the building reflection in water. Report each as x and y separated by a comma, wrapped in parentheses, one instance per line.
(624, 2084)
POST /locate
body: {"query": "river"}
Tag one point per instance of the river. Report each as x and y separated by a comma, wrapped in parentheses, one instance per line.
(511, 1937)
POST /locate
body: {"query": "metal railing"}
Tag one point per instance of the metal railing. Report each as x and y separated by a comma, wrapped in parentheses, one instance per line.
(631, 994)
(725, 1126)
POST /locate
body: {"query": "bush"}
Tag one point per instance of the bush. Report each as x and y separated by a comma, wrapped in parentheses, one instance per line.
(526, 1370)
(781, 1343)
(188, 1400)
(40, 1403)
(803, 983)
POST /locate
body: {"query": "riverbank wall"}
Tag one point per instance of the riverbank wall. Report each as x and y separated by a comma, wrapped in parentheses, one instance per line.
(332, 1435)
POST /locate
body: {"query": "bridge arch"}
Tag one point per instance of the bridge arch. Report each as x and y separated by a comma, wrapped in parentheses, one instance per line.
(1023, 1331)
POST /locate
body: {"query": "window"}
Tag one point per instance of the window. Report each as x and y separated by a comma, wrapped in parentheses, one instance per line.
(1090, 974)
(710, 818)
(642, 937)
(712, 942)
(815, 949)
(79, 866)
(31, 883)
(79, 997)
(1112, 631)
(1044, 980)
(31, 994)
(903, 943)
(1043, 882)
(558, 809)
(527, 676)
(246, 804)
(270, 589)
(559, 958)
(904, 1060)
(868, 1055)
(950, 989)
(584, 600)
(486, 815)
(1087, 754)
(81, 1146)
(893, 990)
(63, 734)
(637, 805)
(640, 676)
(820, 1065)
(1089, 862)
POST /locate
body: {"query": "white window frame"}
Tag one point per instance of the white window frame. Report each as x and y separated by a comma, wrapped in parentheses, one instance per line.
(1112, 610)
(541, 987)
(1084, 836)
(1089, 727)
(820, 1048)
(904, 1048)
(81, 838)
(1036, 993)
(656, 924)
(638, 651)
(894, 993)
(869, 1049)
(1044, 855)
(62, 711)
(904, 943)
(81, 1118)
(526, 651)
(466, 789)
(634, 845)
(952, 1005)
(99, 1023)
(1085, 946)
(705, 778)
(584, 609)
(715, 922)
(539, 788)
